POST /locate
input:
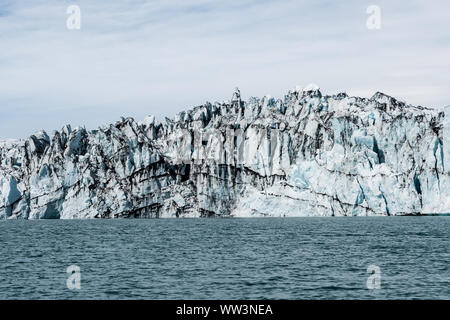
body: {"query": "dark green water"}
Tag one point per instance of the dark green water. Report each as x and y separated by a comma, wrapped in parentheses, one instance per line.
(279, 258)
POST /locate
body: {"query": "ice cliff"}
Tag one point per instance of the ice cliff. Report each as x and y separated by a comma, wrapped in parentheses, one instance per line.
(308, 154)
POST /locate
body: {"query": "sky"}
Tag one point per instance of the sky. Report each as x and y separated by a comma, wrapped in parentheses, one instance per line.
(138, 58)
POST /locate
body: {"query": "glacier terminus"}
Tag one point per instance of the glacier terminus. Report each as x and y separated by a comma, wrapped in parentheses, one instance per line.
(308, 154)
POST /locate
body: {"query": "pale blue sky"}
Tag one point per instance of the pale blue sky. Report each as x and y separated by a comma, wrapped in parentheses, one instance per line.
(134, 58)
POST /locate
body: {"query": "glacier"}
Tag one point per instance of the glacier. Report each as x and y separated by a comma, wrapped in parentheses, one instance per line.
(308, 154)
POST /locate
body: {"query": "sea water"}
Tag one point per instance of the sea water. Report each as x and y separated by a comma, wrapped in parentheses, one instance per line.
(259, 258)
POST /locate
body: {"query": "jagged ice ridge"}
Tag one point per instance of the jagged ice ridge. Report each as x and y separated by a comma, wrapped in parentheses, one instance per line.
(306, 155)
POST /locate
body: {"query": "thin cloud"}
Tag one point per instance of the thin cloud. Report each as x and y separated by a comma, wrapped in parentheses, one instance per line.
(135, 58)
